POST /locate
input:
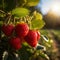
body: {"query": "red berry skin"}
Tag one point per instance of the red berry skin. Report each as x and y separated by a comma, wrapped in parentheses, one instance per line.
(22, 29)
(31, 38)
(7, 29)
(15, 42)
(38, 35)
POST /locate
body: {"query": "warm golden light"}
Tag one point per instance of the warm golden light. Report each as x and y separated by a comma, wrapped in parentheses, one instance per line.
(56, 8)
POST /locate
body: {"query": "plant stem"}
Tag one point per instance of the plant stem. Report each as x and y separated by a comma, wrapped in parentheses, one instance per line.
(2, 12)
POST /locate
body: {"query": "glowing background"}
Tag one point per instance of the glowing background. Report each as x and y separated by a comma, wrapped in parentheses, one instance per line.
(47, 5)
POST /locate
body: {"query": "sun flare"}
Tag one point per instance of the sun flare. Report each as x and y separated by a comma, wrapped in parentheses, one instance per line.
(56, 8)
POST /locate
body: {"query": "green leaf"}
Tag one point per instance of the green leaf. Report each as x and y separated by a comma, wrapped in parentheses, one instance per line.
(37, 24)
(37, 15)
(32, 2)
(20, 12)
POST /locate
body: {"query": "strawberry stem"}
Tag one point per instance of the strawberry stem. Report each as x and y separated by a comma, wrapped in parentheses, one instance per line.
(9, 19)
(2, 12)
(14, 21)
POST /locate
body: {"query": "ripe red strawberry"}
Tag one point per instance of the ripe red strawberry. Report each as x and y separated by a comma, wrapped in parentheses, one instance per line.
(7, 29)
(31, 38)
(15, 42)
(22, 29)
(38, 35)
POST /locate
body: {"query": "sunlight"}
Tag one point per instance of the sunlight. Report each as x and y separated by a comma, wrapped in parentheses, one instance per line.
(47, 6)
(55, 8)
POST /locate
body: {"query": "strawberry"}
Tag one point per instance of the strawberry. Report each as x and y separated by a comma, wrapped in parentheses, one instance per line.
(38, 35)
(22, 29)
(7, 29)
(31, 38)
(15, 42)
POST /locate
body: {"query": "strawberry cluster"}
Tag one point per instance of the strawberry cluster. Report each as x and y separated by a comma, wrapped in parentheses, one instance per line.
(22, 32)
